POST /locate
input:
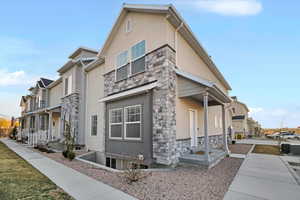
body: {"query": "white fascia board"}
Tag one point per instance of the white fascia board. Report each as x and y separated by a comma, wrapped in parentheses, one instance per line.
(128, 93)
(194, 78)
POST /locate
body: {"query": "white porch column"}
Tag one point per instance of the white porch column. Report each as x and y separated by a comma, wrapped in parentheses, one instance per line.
(206, 138)
(49, 126)
(225, 145)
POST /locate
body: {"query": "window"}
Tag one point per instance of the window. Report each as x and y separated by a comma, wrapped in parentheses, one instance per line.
(136, 64)
(128, 26)
(111, 162)
(216, 121)
(138, 57)
(133, 122)
(94, 125)
(115, 123)
(68, 85)
(122, 66)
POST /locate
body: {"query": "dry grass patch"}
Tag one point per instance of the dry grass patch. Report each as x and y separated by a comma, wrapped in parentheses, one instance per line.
(19, 180)
(267, 149)
(239, 148)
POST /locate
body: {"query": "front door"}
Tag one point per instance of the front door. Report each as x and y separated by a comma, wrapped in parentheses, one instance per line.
(193, 131)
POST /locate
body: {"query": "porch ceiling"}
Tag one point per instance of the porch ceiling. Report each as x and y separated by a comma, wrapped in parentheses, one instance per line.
(190, 86)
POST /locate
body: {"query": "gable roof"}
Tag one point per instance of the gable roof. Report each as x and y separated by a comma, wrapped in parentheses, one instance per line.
(176, 20)
(46, 81)
(81, 49)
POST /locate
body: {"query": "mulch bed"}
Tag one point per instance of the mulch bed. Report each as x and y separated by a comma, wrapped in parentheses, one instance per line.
(240, 148)
(185, 182)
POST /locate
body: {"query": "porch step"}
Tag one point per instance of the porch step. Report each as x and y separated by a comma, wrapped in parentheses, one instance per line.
(196, 159)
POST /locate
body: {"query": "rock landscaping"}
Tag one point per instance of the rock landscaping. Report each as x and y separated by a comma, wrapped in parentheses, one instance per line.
(184, 182)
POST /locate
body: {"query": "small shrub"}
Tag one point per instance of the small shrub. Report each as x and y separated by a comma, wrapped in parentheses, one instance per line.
(71, 155)
(65, 153)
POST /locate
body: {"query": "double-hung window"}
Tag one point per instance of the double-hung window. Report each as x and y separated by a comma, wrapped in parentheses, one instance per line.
(138, 58)
(133, 122)
(94, 125)
(68, 85)
(133, 64)
(122, 66)
(115, 123)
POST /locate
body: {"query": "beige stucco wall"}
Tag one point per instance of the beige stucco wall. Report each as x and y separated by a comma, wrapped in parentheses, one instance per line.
(94, 92)
(148, 27)
(55, 95)
(73, 72)
(182, 118)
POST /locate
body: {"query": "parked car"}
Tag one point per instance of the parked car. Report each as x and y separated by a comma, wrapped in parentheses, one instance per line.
(288, 135)
(274, 135)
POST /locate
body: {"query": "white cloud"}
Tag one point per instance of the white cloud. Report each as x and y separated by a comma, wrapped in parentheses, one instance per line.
(15, 78)
(226, 7)
(276, 117)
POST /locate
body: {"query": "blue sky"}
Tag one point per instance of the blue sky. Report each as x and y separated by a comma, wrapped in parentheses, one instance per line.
(255, 44)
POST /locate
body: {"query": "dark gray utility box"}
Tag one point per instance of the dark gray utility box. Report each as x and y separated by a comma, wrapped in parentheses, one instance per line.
(295, 149)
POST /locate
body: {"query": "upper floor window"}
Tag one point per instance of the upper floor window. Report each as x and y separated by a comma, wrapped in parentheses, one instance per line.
(94, 125)
(68, 85)
(122, 66)
(136, 63)
(128, 26)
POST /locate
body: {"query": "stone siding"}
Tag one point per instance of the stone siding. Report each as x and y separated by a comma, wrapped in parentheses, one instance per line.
(184, 145)
(159, 67)
(70, 112)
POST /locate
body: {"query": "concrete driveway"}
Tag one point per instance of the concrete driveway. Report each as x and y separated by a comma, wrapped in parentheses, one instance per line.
(263, 177)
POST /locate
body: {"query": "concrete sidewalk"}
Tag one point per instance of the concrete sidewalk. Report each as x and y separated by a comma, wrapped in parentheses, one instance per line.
(78, 185)
(263, 177)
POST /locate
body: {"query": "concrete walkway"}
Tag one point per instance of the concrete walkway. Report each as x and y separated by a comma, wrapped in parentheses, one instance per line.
(263, 177)
(78, 185)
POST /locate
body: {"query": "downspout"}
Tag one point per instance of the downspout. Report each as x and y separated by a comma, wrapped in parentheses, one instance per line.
(176, 42)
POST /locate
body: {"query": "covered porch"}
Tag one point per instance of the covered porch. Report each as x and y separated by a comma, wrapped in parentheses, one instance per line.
(206, 94)
(41, 127)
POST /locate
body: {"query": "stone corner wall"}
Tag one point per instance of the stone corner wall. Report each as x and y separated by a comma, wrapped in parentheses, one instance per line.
(70, 112)
(159, 67)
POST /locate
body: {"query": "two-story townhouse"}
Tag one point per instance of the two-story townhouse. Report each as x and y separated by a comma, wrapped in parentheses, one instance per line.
(34, 117)
(51, 104)
(154, 93)
(73, 102)
(239, 118)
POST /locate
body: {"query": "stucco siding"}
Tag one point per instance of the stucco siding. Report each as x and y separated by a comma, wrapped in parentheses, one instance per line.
(182, 117)
(145, 26)
(94, 92)
(55, 95)
(189, 61)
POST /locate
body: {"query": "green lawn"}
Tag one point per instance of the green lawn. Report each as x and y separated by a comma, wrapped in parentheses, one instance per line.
(19, 180)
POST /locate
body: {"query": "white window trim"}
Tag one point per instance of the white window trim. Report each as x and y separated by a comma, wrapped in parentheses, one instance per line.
(130, 26)
(136, 122)
(92, 125)
(129, 61)
(216, 121)
(120, 123)
(118, 67)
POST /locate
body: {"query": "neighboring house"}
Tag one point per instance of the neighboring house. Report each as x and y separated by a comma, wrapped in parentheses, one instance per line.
(254, 127)
(153, 92)
(239, 118)
(51, 104)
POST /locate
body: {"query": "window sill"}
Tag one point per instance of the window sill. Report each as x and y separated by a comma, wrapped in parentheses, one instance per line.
(130, 76)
